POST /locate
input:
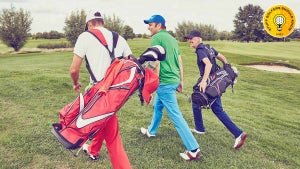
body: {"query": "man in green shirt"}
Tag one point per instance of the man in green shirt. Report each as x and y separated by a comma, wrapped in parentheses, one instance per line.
(171, 80)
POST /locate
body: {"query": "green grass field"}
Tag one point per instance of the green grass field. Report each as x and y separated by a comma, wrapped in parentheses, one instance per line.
(266, 105)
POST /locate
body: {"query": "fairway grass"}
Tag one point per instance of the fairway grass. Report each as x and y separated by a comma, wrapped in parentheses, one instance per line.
(34, 87)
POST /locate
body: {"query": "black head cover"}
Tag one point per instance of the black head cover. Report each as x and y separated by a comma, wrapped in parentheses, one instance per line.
(153, 53)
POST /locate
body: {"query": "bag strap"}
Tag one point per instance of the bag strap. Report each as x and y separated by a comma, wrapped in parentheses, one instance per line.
(211, 57)
(98, 34)
(210, 52)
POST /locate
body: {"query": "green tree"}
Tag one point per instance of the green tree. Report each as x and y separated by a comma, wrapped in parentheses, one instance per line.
(172, 33)
(295, 34)
(55, 35)
(139, 35)
(114, 23)
(15, 27)
(75, 25)
(128, 32)
(145, 36)
(225, 35)
(248, 24)
(209, 32)
(183, 28)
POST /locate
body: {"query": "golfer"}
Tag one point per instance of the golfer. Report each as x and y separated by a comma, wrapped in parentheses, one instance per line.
(99, 60)
(208, 66)
(171, 79)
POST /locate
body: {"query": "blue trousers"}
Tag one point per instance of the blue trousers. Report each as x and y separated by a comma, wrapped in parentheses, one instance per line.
(166, 98)
(217, 108)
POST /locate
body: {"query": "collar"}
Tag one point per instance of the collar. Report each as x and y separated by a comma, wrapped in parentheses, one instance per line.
(200, 46)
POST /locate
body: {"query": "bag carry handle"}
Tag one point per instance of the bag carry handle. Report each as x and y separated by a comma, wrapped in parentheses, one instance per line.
(57, 126)
(81, 102)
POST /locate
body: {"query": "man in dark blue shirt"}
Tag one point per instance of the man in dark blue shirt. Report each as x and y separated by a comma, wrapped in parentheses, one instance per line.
(207, 65)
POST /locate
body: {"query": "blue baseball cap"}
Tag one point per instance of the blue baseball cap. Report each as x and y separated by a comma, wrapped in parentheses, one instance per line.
(157, 19)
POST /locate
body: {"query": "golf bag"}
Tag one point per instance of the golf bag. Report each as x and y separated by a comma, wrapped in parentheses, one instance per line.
(87, 115)
(89, 112)
(217, 84)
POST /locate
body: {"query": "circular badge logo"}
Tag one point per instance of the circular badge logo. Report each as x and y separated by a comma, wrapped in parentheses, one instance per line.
(279, 21)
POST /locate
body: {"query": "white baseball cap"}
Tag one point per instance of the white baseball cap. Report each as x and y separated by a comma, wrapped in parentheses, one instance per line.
(90, 16)
(93, 15)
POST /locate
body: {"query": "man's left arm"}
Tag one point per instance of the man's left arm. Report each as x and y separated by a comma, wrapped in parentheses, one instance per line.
(74, 72)
(222, 58)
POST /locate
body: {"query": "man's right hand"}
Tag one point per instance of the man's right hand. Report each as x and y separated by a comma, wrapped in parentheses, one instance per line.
(202, 86)
(76, 87)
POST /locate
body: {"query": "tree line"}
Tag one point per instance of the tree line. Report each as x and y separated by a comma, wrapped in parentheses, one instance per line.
(248, 26)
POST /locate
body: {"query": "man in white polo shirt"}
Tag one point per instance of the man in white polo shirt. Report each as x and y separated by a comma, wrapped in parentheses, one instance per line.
(99, 59)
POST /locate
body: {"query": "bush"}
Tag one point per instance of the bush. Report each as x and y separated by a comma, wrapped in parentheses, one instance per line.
(54, 45)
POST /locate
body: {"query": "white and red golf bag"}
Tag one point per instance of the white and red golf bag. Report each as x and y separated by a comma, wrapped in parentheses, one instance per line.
(81, 119)
(88, 113)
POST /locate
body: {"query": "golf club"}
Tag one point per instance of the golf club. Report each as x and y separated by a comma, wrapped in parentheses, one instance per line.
(187, 96)
(90, 138)
(75, 155)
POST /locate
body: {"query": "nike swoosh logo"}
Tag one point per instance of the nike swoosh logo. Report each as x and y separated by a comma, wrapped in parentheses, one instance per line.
(80, 122)
(132, 75)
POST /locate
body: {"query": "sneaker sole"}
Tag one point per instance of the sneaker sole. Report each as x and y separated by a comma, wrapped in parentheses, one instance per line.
(95, 159)
(243, 139)
(197, 132)
(184, 156)
(145, 132)
(187, 158)
(85, 151)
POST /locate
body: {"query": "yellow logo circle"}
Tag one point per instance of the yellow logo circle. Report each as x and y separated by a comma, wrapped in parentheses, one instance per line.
(279, 21)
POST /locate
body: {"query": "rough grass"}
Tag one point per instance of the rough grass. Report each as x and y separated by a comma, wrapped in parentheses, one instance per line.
(33, 87)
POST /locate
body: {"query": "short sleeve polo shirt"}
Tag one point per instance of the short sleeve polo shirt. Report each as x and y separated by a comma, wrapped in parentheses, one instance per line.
(98, 56)
(169, 68)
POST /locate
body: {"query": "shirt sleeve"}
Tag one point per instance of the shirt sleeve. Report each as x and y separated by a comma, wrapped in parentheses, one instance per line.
(201, 54)
(216, 52)
(81, 45)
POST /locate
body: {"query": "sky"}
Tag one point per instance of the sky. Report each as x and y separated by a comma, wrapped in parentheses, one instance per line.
(51, 14)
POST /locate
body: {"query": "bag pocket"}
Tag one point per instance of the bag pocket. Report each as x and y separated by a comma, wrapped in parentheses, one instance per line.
(200, 99)
(218, 88)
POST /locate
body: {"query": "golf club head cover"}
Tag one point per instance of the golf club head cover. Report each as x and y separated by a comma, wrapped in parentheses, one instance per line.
(236, 72)
(232, 71)
(153, 53)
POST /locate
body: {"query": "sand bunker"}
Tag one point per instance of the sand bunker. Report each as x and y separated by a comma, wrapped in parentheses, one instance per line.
(274, 68)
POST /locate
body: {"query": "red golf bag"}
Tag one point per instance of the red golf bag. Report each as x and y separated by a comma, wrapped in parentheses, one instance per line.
(89, 112)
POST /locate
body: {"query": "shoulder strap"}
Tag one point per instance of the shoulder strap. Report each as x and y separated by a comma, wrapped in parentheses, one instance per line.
(209, 51)
(98, 34)
(115, 41)
(211, 57)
